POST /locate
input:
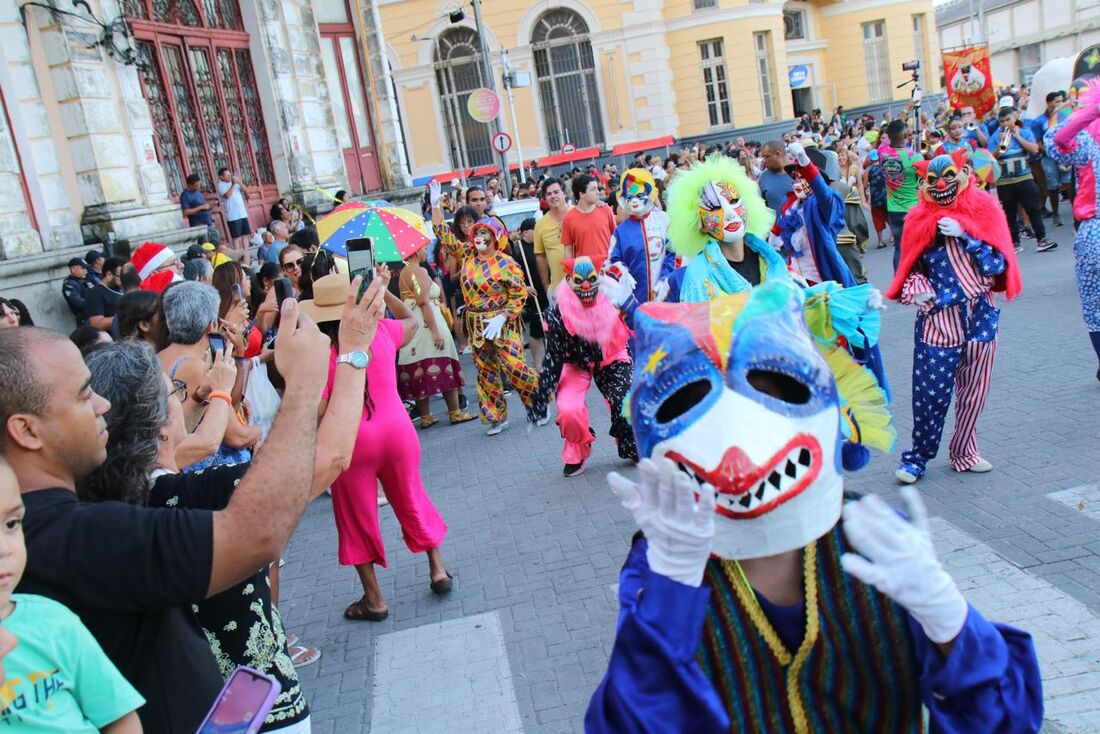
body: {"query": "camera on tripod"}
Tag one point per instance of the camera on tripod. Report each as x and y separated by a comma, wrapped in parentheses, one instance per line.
(911, 65)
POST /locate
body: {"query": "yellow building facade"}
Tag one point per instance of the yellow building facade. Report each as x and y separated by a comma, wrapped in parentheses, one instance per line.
(606, 72)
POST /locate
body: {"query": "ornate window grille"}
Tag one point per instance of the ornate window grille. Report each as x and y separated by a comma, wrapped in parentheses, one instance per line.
(458, 73)
(566, 71)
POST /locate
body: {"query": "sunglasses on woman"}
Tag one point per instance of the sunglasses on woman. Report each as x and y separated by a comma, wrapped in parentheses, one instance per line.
(293, 264)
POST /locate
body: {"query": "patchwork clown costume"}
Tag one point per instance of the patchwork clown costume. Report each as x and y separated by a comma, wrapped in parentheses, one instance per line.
(640, 242)
(955, 252)
(494, 292)
(755, 599)
(586, 341)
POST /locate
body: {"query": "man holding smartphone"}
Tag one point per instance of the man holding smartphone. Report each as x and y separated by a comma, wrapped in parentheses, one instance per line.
(135, 592)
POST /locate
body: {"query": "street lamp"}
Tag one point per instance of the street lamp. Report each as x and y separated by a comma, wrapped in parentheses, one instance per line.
(454, 123)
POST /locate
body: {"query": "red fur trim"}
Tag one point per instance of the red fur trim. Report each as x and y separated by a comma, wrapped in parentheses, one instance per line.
(980, 214)
(598, 323)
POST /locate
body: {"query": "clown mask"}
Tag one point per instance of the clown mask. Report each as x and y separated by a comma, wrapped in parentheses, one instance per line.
(484, 238)
(943, 178)
(584, 279)
(736, 394)
(638, 191)
(800, 187)
(721, 213)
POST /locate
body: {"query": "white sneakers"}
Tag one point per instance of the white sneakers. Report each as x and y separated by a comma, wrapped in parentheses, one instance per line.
(496, 428)
(981, 467)
(906, 477)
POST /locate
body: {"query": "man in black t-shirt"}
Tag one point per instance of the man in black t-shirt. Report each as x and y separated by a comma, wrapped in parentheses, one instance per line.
(102, 301)
(132, 572)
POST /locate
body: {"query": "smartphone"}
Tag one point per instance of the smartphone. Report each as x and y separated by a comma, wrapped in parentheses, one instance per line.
(361, 261)
(238, 294)
(283, 290)
(217, 345)
(243, 704)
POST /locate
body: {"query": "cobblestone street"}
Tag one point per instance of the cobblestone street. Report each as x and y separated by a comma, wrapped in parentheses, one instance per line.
(522, 641)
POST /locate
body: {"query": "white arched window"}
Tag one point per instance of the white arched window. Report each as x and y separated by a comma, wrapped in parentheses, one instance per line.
(458, 72)
(566, 70)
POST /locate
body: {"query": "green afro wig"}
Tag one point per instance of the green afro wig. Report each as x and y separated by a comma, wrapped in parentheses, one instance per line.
(684, 234)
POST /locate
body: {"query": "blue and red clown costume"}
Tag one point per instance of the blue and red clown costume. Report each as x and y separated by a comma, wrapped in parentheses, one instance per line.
(586, 342)
(737, 393)
(952, 280)
(640, 242)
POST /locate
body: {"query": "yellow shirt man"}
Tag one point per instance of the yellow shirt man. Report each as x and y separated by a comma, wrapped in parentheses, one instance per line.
(548, 244)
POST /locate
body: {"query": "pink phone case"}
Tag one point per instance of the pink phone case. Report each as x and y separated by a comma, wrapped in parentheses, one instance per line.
(243, 703)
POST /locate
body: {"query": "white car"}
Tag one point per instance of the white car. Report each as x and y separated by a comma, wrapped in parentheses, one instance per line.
(512, 213)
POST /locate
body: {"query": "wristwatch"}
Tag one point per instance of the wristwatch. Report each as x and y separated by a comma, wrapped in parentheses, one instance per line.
(358, 360)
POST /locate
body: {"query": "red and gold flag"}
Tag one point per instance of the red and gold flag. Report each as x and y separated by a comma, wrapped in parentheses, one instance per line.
(969, 79)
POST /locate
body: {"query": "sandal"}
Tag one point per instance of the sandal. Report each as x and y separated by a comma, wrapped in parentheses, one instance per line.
(291, 640)
(358, 611)
(443, 586)
(426, 421)
(460, 416)
(301, 656)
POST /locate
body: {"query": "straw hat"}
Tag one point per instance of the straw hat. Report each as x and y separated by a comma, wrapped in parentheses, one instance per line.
(330, 293)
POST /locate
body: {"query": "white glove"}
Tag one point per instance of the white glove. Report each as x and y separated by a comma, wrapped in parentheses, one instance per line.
(875, 301)
(494, 326)
(951, 228)
(922, 298)
(679, 529)
(660, 291)
(551, 298)
(617, 284)
(776, 242)
(435, 193)
(798, 154)
(898, 559)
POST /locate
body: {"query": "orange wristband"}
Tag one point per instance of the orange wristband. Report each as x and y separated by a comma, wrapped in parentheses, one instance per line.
(218, 395)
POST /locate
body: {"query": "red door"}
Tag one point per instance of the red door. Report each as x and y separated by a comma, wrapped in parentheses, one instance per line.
(197, 77)
(348, 94)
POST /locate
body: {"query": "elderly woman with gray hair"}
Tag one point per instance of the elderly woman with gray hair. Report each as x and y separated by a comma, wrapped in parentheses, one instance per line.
(207, 376)
(145, 425)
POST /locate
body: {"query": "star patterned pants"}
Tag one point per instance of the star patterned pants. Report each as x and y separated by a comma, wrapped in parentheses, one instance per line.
(502, 361)
(937, 371)
(613, 382)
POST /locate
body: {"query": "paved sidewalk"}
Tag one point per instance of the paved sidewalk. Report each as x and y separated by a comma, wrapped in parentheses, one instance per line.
(524, 638)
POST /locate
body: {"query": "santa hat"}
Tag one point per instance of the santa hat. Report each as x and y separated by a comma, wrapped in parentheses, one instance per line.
(149, 257)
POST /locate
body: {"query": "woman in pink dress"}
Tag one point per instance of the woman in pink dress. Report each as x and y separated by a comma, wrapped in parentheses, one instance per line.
(387, 449)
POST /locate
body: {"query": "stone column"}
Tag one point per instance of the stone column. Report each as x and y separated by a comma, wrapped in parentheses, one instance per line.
(305, 140)
(106, 123)
(380, 88)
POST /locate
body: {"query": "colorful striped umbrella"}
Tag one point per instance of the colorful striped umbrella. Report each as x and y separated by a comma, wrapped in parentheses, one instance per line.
(397, 232)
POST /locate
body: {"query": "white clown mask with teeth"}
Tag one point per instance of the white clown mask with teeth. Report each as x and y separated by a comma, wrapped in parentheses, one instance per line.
(721, 214)
(736, 393)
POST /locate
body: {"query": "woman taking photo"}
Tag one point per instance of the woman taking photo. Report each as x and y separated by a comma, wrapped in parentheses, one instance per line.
(428, 365)
(291, 259)
(387, 451)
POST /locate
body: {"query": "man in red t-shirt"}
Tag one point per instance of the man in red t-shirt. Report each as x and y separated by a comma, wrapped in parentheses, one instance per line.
(586, 229)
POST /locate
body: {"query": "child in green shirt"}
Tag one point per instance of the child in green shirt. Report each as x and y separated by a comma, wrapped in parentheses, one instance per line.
(57, 678)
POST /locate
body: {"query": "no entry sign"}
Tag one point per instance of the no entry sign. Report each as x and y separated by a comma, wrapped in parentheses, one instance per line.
(502, 142)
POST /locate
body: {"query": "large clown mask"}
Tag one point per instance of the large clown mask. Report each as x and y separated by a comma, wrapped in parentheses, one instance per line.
(638, 192)
(584, 279)
(483, 235)
(721, 214)
(735, 392)
(942, 179)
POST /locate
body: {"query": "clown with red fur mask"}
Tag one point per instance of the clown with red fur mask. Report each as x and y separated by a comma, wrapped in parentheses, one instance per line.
(586, 341)
(956, 251)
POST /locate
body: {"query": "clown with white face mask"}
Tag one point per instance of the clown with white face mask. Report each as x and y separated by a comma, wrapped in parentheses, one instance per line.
(719, 224)
(809, 223)
(586, 341)
(757, 600)
(640, 242)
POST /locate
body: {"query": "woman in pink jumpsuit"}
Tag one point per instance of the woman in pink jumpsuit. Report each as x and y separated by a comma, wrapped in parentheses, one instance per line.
(387, 449)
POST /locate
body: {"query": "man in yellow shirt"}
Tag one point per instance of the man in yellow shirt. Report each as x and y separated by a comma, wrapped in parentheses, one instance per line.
(548, 248)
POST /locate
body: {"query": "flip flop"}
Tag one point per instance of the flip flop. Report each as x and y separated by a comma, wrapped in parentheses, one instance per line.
(301, 656)
(443, 586)
(357, 611)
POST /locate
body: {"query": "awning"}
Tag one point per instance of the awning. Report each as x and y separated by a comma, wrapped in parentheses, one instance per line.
(582, 154)
(640, 145)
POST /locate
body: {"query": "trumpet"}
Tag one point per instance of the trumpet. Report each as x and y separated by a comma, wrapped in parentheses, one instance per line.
(1006, 137)
(972, 126)
(925, 146)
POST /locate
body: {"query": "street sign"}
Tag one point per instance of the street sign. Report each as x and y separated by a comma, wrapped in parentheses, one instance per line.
(568, 148)
(483, 105)
(502, 142)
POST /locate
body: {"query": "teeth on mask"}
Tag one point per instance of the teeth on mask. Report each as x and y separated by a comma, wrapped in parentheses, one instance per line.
(795, 466)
